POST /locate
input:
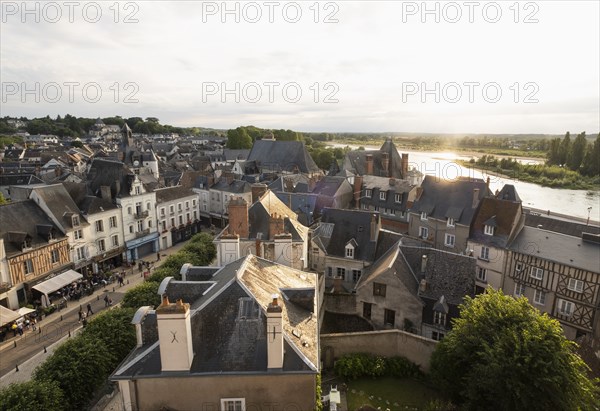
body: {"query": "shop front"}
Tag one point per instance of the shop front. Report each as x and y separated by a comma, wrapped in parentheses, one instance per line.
(141, 247)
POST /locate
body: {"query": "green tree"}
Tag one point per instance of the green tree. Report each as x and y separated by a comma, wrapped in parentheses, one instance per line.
(591, 161)
(502, 353)
(202, 246)
(32, 395)
(238, 138)
(140, 295)
(79, 367)
(554, 152)
(577, 152)
(114, 330)
(565, 149)
(2, 199)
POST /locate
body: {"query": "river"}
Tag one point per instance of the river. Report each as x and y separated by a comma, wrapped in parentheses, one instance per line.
(561, 201)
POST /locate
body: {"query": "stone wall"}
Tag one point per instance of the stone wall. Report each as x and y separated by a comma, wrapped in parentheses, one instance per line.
(388, 343)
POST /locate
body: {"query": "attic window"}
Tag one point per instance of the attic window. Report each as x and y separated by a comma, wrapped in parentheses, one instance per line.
(368, 193)
(248, 309)
(26, 243)
(349, 251)
(423, 215)
(450, 222)
(75, 221)
(488, 230)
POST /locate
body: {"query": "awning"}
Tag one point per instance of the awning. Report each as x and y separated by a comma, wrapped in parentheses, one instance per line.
(24, 311)
(56, 283)
(7, 316)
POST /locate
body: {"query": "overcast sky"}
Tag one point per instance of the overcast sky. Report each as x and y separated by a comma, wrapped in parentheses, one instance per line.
(362, 66)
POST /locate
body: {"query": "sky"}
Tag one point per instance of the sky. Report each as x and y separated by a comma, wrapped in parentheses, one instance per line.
(345, 66)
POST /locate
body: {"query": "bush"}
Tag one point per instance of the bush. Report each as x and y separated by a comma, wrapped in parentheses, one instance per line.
(32, 395)
(79, 367)
(161, 273)
(354, 366)
(143, 294)
(401, 367)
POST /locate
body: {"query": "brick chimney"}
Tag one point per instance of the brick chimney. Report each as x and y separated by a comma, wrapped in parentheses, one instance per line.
(385, 163)
(238, 217)
(475, 198)
(274, 334)
(358, 180)
(258, 190)
(105, 193)
(229, 177)
(369, 164)
(174, 335)
(275, 225)
(404, 165)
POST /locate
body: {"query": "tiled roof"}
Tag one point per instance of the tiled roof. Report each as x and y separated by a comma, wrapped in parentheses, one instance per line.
(282, 156)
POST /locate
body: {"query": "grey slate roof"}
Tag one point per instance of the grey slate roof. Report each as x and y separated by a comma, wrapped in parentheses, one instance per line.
(260, 212)
(60, 204)
(561, 248)
(355, 161)
(282, 156)
(349, 224)
(164, 195)
(558, 225)
(442, 198)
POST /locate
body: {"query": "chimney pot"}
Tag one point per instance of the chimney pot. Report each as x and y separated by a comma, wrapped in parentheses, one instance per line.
(423, 263)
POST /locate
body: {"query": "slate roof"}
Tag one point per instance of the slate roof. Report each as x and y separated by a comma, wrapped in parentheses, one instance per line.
(443, 198)
(59, 203)
(236, 186)
(349, 224)
(344, 323)
(282, 156)
(563, 226)
(504, 215)
(225, 343)
(560, 248)
(164, 195)
(19, 179)
(304, 205)
(260, 212)
(288, 183)
(230, 154)
(24, 217)
(111, 173)
(355, 161)
(330, 185)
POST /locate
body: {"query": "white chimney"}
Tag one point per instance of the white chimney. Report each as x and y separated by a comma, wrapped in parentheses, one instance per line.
(175, 335)
(475, 197)
(274, 335)
(423, 263)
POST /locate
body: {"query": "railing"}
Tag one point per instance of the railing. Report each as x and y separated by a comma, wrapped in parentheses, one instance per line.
(141, 214)
(142, 233)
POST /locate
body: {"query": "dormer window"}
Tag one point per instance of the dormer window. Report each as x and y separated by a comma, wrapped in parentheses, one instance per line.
(26, 243)
(75, 221)
(382, 195)
(398, 198)
(488, 230)
(450, 222)
(350, 247)
(439, 318)
(423, 215)
(368, 193)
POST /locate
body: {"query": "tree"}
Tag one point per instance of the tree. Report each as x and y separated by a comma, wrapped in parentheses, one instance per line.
(79, 367)
(591, 161)
(565, 149)
(203, 247)
(554, 152)
(502, 353)
(238, 138)
(32, 395)
(143, 294)
(2, 199)
(577, 152)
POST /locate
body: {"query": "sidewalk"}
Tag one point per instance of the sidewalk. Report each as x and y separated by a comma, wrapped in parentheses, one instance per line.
(54, 329)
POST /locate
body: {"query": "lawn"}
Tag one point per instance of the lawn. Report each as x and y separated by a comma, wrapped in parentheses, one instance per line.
(392, 393)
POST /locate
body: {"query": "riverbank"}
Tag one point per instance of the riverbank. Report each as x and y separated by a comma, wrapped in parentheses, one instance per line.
(545, 176)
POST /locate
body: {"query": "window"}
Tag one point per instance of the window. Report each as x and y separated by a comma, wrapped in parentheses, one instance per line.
(367, 310)
(75, 220)
(481, 274)
(329, 271)
(539, 297)
(164, 225)
(28, 266)
(130, 229)
(565, 307)
(485, 253)
(172, 209)
(115, 240)
(382, 195)
(140, 226)
(537, 273)
(137, 190)
(389, 317)
(101, 246)
(179, 206)
(575, 285)
(450, 222)
(423, 232)
(187, 216)
(129, 210)
(519, 267)
(99, 226)
(398, 198)
(356, 275)
(195, 215)
(365, 206)
(187, 204)
(392, 212)
(180, 220)
(349, 251)
(54, 256)
(449, 241)
(439, 318)
(341, 272)
(80, 253)
(436, 335)
(162, 212)
(112, 222)
(78, 234)
(379, 289)
(193, 203)
(368, 193)
(488, 230)
(149, 223)
(519, 290)
(423, 215)
(233, 404)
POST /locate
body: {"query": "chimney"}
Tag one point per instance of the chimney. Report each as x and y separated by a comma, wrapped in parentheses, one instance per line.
(487, 183)
(423, 286)
(274, 335)
(358, 180)
(238, 217)
(105, 193)
(275, 225)
(138, 320)
(404, 165)
(475, 198)
(229, 177)
(284, 254)
(312, 182)
(374, 226)
(337, 284)
(392, 181)
(174, 335)
(369, 164)
(258, 248)
(385, 163)
(258, 190)
(423, 263)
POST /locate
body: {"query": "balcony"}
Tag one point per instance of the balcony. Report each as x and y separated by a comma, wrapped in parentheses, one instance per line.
(141, 214)
(142, 233)
(4, 287)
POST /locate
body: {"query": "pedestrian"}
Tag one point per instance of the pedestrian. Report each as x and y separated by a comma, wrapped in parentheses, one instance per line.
(81, 314)
(158, 256)
(140, 266)
(110, 301)
(106, 300)
(14, 329)
(89, 309)
(20, 329)
(121, 282)
(33, 324)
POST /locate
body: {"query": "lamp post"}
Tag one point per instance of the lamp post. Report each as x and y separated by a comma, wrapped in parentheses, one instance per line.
(588, 219)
